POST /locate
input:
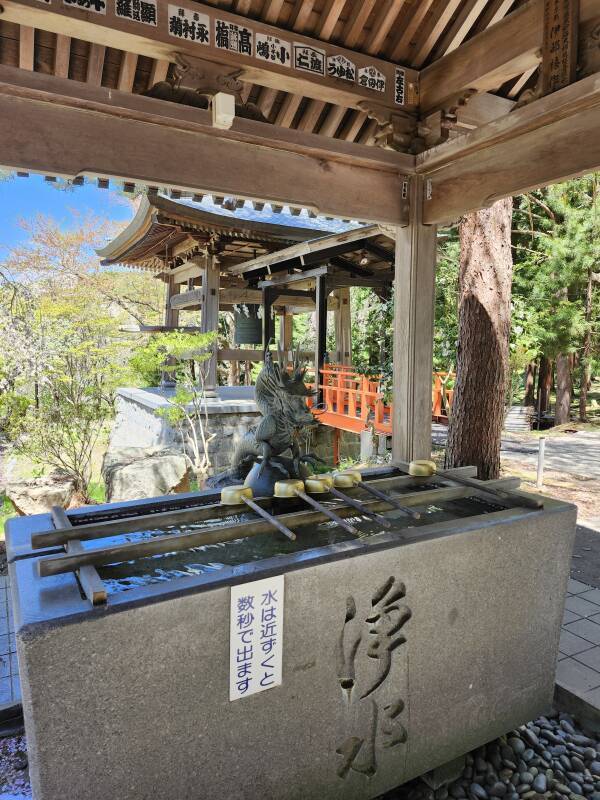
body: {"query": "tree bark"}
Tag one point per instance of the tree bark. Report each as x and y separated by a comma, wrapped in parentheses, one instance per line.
(484, 324)
(563, 389)
(586, 352)
(544, 384)
(529, 398)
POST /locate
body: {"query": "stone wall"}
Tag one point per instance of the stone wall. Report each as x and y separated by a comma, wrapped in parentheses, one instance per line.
(137, 425)
(230, 417)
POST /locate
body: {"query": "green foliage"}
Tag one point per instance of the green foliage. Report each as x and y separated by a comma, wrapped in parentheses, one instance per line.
(63, 361)
(151, 359)
(445, 330)
(184, 356)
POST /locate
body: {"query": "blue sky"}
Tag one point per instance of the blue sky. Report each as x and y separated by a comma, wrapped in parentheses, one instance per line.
(25, 198)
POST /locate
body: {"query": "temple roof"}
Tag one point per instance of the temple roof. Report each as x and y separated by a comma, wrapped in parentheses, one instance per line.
(164, 233)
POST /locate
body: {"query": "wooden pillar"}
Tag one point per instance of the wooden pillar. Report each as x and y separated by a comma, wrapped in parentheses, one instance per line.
(321, 339)
(210, 318)
(286, 328)
(343, 326)
(268, 323)
(414, 297)
(171, 320)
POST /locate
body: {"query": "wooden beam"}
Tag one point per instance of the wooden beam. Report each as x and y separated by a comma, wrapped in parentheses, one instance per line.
(343, 327)
(228, 297)
(95, 64)
(26, 47)
(159, 71)
(268, 323)
(237, 354)
(210, 318)
(433, 30)
(309, 252)
(530, 147)
(498, 54)
(191, 299)
(127, 72)
(382, 25)
(345, 180)
(468, 13)
(62, 55)
(323, 290)
(157, 42)
(414, 297)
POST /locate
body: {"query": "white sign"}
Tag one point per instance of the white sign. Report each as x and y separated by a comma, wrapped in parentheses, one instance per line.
(184, 23)
(229, 36)
(273, 49)
(371, 78)
(97, 6)
(309, 59)
(137, 10)
(339, 66)
(256, 637)
(399, 86)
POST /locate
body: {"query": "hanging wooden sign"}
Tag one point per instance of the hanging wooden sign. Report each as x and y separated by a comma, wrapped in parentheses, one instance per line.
(559, 49)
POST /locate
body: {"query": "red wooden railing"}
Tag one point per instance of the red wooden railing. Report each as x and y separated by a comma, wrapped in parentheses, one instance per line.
(352, 401)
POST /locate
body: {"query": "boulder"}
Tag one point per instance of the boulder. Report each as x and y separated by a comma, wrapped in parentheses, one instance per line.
(132, 473)
(38, 495)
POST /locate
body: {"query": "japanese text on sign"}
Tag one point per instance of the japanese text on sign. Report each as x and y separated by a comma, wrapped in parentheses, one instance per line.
(137, 10)
(559, 49)
(229, 36)
(187, 24)
(97, 6)
(371, 78)
(256, 637)
(273, 49)
(341, 67)
(399, 83)
(309, 59)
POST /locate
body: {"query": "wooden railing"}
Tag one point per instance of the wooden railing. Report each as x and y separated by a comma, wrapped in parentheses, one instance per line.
(354, 402)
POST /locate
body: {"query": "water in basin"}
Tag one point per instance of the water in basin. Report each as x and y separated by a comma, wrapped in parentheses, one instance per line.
(213, 557)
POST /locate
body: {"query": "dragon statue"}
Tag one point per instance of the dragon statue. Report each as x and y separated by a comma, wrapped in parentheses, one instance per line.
(260, 458)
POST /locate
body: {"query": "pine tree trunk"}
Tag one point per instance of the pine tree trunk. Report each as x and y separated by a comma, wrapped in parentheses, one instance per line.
(528, 400)
(563, 389)
(484, 325)
(544, 384)
(586, 353)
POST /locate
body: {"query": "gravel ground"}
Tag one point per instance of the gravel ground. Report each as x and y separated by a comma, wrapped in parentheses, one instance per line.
(552, 757)
(549, 758)
(14, 775)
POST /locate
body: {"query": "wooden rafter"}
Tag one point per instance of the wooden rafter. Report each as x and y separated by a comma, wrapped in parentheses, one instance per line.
(109, 30)
(62, 55)
(26, 47)
(502, 52)
(536, 141)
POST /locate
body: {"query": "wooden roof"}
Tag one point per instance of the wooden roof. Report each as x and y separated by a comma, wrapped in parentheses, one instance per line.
(164, 233)
(359, 257)
(414, 33)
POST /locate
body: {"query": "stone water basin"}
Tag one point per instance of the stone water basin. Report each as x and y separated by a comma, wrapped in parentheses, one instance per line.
(213, 557)
(401, 650)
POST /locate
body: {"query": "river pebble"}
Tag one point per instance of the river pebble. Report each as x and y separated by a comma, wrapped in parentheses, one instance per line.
(552, 758)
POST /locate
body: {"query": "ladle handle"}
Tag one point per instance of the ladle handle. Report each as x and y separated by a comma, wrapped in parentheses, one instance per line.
(328, 513)
(269, 517)
(360, 507)
(392, 501)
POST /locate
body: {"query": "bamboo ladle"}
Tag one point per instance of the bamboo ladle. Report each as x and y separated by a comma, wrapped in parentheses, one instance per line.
(342, 480)
(295, 488)
(236, 495)
(357, 480)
